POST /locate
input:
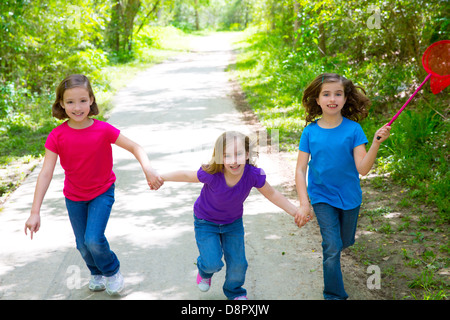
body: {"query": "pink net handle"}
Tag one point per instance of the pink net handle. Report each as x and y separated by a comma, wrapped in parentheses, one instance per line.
(436, 61)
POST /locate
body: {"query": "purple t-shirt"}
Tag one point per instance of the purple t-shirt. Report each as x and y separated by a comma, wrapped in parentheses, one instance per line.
(222, 204)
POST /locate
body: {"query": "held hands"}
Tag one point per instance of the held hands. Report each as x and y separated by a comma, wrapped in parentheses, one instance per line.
(303, 215)
(154, 180)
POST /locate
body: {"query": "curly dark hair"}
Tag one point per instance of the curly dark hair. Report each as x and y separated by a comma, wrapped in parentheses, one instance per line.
(355, 108)
(72, 81)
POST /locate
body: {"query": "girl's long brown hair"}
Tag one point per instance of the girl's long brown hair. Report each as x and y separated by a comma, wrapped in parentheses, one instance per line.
(355, 107)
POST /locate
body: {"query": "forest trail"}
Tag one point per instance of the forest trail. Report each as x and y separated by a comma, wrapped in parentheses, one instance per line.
(175, 110)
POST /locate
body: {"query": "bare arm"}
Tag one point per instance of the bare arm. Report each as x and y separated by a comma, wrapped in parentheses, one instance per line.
(278, 199)
(43, 182)
(300, 178)
(152, 176)
(365, 160)
(305, 213)
(180, 176)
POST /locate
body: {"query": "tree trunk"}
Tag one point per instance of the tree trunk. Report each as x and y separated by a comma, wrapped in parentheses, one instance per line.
(322, 40)
(296, 22)
(130, 12)
(322, 37)
(114, 26)
(197, 22)
(120, 28)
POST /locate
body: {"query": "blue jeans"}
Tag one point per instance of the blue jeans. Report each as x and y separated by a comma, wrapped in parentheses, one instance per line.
(215, 240)
(89, 220)
(338, 229)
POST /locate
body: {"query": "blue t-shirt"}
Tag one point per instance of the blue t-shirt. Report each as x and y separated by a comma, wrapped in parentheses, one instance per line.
(222, 204)
(333, 177)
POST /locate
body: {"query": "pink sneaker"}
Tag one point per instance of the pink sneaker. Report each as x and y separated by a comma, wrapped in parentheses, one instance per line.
(203, 284)
(241, 298)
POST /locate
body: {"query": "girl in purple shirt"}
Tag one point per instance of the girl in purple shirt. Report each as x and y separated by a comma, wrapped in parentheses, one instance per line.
(219, 230)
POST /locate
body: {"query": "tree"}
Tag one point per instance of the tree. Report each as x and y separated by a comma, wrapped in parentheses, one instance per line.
(120, 28)
(150, 12)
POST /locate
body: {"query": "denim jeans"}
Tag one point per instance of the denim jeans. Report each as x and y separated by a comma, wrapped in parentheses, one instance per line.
(89, 220)
(215, 240)
(338, 229)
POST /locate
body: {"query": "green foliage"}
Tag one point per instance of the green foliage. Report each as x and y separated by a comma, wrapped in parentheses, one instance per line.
(159, 38)
(434, 289)
(37, 48)
(416, 155)
(41, 42)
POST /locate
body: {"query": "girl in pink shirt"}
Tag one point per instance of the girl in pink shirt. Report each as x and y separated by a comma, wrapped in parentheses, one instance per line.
(84, 147)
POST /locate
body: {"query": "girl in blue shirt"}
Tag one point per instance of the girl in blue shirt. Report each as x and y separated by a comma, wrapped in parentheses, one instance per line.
(336, 144)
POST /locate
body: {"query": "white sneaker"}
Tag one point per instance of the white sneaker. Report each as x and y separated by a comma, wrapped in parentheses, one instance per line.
(114, 284)
(97, 283)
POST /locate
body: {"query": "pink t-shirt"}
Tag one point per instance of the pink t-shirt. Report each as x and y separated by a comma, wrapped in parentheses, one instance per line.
(86, 157)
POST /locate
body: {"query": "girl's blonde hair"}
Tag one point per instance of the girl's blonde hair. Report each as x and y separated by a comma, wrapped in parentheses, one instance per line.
(216, 163)
(355, 107)
(72, 81)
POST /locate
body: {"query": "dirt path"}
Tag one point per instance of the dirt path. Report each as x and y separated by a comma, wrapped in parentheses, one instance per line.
(175, 110)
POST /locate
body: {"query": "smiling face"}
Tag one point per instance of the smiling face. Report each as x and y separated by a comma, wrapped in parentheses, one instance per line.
(331, 98)
(77, 104)
(235, 157)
